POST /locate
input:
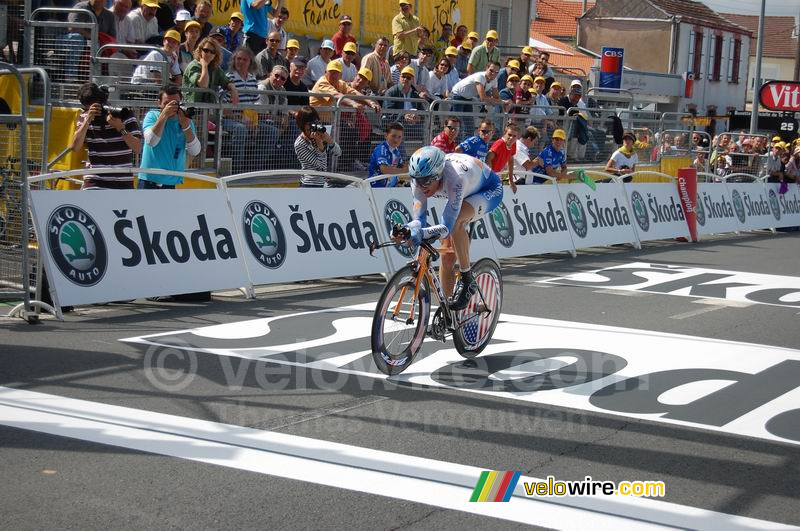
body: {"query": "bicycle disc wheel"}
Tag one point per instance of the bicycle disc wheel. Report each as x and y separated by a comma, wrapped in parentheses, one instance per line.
(396, 337)
(475, 326)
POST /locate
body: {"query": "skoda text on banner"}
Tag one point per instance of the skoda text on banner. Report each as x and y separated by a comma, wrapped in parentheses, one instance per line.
(597, 217)
(657, 212)
(687, 188)
(112, 245)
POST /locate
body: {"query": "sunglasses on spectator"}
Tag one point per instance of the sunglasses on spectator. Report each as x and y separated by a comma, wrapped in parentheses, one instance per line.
(452, 127)
(278, 77)
(349, 53)
(208, 50)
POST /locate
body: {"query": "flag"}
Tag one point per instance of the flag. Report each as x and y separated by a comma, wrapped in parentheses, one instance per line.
(585, 179)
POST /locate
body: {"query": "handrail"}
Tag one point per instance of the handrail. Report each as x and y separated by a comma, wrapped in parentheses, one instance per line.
(283, 173)
(132, 171)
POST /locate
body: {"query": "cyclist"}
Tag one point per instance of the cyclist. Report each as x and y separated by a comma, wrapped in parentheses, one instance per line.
(472, 190)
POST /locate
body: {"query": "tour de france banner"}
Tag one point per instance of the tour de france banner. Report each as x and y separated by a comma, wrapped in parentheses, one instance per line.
(757, 207)
(785, 206)
(319, 233)
(108, 245)
(657, 211)
(597, 217)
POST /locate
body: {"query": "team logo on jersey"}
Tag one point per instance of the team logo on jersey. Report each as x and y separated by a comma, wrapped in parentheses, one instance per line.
(774, 206)
(700, 212)
(503, 228)
(738, 206)
(577, 215)
(396, 213)
(264, 235)
(77, 245)
(640, 211)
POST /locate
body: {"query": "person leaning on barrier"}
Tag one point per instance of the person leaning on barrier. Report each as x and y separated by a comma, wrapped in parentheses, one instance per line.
(169, 135)
(313, 146)
(110, 136)
(377, 63)
(775, 169)
(481, 86)
(502, 151)
(553, 160)
(361, 83)
(295, 84)
(793, 167)
(447, 140)
(522, 160)
(332, 85)
(624, 160)
(150, 73)
(478, 145)
(205, 72)
(388, 157)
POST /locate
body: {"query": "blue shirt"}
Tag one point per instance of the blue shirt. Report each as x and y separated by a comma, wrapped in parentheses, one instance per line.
(168, 154)
(255, 20)
(231, 41)
(383, 155)
(474, 146)
(551, 158)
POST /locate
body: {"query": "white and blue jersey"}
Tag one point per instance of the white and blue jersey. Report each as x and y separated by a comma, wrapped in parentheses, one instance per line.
(552, 158)
(383, 155)
(465, 179)
(474, 146)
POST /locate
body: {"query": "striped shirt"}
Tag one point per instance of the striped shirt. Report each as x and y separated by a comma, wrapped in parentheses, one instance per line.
(107, 148)
(312, 159)
(247, 88)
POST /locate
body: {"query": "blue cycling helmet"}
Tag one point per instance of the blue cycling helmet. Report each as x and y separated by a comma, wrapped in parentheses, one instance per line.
(426, 162)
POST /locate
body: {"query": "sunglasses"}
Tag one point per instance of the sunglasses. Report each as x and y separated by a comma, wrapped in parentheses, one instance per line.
(452, 127)
(278, 78)
(349, 53)
(425, 181)
(208, 50)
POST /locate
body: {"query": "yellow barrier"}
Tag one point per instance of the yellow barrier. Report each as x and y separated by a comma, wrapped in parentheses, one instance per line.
(671, 165)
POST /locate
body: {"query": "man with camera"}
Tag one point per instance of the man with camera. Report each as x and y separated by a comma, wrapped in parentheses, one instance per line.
(111, 136)
(169, 135)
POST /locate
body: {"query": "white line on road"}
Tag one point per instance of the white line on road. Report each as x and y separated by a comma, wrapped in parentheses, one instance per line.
(426, 481)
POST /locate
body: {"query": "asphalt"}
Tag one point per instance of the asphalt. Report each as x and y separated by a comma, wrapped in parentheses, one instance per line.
(59, 482)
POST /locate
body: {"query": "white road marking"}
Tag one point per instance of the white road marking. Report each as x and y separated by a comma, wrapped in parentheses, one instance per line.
(621, 293)
(427, 481)
(695, 313)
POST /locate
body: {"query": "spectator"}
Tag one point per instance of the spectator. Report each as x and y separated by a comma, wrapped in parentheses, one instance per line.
(576, 148)
(151, 74)
(124, 31)
(478, 87)
(793, 167)
(292, 50)
(526, 59)
(642, 140)
(624, 160)
(343, 36)
(473, 38)
(182, 17)
(168, 136)
(401, 61)
(191, 36)
(446, 140)
(424, 39)
(204, 72)
(509, 94)
(484, 54)
(202, 13)
(376, 62)
(438, 85)
(144, 26)
(361, 83)
(297, 69)
(405, 30)
(242, 75)
(219, 38)
(462, 61)
(422, 66)
(167, 13)
(775, 168)
(443, 42)
(74, 42)
(523, 162)
(502, 151)
(461, 34)
(270, 56)
(405, 91)
(106, 22)
(110, 140)
(277, 129)
(313, 147)
(349, 69)
(539, 100)
(544, 60)
(451, 54)
(478, 145)
(553, 161)
(249, 133)
(512, 67)
(234, 37)
(554, 95)
(319, 64)
(276, 24)
(256, 25)
(388, 157)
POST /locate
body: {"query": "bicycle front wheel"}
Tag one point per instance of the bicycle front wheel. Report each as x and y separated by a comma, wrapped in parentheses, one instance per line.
(400, 321)
(475, 324)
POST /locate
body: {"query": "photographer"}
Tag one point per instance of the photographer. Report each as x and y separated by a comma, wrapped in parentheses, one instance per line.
(168, 135)
(312, 147)
(110, 135)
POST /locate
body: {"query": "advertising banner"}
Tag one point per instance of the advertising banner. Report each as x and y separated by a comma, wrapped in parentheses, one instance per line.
(657, 211)
(687, 191)
(752, 207)
(611, 60)
(715, 212)
(108, 245)
(597, 217)
(785, 207)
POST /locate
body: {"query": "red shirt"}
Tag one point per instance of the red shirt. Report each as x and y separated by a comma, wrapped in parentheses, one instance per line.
(443, 142)
(339, 40)
(502, 154)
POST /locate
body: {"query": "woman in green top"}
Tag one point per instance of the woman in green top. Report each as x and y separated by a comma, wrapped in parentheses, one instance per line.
(205, 72)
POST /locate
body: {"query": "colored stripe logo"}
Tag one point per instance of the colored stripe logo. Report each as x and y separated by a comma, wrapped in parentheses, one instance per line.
(495, 486)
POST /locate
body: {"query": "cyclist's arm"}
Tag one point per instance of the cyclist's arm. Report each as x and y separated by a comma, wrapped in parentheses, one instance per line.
(449, 216)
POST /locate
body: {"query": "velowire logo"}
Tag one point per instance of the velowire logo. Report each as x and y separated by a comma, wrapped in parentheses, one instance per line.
(503, 228)
(77, 245)
(577, 215)
(264, 234)
(738, 205)
(396, 213)
(640, 211)
(774, 206)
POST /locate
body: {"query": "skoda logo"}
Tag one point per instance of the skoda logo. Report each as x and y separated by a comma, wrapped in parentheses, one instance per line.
(640, 211)
(264, 234)
(738, 206)
(396, 213)
(77, 245)
(500, 220)
(774, 206)
(700, 212)
(577, 215)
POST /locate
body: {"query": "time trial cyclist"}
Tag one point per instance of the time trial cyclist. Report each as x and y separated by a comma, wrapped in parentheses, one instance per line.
(472, 190)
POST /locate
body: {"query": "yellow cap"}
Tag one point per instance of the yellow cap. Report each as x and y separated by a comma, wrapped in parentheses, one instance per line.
(492, 34)
(527, 50)
(409, 70)
(351, 47)
(559, 133)
(405, 2)
(451, 50)
(776, 138)
(473, 35)
(192, 24)
(335, 65)
(366, 72)
(513, 64)
(512, 77)
(779, 145)
(556, 84)
(172, 34)
(293, 43)
(150, 3)
(526, 77)
(467, 44)
(540, 78)
(238, 16)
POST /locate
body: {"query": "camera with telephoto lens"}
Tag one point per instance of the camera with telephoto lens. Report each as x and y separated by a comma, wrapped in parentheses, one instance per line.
(123, 113)
(317, 128)
(188, 112)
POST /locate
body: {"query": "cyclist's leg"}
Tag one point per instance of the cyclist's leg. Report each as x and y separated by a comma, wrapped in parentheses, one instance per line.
(455, 247)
